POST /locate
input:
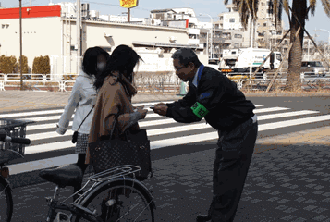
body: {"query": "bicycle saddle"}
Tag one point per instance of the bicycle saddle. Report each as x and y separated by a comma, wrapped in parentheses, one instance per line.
(68, 175)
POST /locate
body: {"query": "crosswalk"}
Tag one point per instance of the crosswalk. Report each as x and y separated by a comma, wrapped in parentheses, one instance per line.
(162, 132)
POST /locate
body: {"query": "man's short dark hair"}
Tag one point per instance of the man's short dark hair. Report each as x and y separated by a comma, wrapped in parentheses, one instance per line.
(185, 56)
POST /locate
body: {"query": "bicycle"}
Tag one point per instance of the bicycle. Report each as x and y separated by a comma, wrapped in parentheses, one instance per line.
(115, 195)
(12, 144)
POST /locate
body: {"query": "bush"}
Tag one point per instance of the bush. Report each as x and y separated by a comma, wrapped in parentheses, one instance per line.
(41, 65)
(25, 66)
(8, 64)
(35, 65)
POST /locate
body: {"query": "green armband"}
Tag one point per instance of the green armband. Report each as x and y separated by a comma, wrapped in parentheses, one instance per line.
(199, 110)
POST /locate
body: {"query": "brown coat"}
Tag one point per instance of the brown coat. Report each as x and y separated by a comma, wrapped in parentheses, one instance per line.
(113, 100)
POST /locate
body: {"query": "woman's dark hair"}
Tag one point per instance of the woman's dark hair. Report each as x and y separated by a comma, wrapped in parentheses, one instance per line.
(185, 56)
(123, 59)
(89, 63)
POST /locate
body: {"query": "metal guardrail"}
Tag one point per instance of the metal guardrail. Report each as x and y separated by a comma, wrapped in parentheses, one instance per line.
(261, 80)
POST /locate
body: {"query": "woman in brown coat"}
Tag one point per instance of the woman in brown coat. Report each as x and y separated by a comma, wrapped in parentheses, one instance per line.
(115, 90)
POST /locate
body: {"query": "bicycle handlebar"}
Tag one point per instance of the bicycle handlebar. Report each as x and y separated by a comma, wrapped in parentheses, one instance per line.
(5, 138)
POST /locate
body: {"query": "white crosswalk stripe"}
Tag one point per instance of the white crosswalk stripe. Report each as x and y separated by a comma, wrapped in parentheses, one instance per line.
(162, 131)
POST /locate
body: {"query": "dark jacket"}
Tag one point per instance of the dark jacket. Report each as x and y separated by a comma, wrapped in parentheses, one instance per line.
(227, 105)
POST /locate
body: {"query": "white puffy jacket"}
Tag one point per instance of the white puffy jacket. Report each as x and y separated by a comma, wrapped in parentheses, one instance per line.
(82, 98)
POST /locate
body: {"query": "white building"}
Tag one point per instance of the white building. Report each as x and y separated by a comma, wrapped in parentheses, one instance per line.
(230, 20)
(180, 17)
(51, 30)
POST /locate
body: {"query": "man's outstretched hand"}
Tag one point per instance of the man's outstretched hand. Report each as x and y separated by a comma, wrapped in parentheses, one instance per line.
(160, 109)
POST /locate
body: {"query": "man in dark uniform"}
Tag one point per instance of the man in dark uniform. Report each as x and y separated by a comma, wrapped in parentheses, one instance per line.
(215, 98)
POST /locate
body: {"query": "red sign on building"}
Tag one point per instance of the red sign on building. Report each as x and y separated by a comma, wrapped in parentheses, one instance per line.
(31, 12)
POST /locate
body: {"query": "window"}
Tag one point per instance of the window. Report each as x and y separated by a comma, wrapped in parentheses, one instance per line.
(265, 24)
(232, 20)
(192, 36)
(72, 48)
(279, 33)
(238, 36)
(278, 57)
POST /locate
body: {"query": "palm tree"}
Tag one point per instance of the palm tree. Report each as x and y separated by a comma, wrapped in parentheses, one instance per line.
(299, 13)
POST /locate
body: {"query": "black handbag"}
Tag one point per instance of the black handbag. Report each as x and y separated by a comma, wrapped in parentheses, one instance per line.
(75, 133)
(108, 153)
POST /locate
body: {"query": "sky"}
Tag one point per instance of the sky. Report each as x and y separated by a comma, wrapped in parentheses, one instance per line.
(210, 7)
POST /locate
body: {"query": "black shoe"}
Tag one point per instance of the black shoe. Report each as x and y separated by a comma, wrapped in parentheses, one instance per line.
(203, 218)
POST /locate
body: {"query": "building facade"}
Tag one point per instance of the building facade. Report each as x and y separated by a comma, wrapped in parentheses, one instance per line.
(180, 17)
(51, 30)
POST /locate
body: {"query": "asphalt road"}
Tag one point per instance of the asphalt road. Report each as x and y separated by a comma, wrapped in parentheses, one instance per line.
(286, 184)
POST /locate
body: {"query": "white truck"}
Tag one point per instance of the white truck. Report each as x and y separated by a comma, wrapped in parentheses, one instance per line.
(240, 60)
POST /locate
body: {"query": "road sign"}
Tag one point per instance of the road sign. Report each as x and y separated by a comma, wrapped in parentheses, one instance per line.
(129, 3)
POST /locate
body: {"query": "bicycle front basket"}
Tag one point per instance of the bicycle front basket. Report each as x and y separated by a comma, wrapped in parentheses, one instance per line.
(14, 128)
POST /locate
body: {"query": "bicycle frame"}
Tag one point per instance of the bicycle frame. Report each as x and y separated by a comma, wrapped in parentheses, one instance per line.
(78, 209)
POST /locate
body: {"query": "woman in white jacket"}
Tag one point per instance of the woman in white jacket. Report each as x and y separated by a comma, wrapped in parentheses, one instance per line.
(82, 99)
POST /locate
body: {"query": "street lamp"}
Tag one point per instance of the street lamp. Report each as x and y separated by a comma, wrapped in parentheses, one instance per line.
(211, 32)
(20, 44)
(328, 37)
(78, 21)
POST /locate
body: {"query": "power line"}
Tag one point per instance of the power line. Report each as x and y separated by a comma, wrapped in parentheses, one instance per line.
(97, 3)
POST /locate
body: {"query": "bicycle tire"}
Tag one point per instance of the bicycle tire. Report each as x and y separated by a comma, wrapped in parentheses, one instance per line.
(5, 193)
(116, 185)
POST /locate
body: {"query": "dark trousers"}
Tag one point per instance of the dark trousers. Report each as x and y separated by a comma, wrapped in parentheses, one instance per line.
(231, 165)
(82, 166)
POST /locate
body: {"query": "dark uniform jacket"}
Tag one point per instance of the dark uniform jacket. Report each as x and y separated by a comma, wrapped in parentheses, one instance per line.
(216, 98)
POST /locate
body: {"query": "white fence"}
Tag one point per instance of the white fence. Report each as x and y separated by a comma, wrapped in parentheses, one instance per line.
(37, 82)
(146, 82)
(166, 82)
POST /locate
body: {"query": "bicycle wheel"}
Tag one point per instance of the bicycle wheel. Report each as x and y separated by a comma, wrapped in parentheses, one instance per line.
(6, 201)
(120, 200)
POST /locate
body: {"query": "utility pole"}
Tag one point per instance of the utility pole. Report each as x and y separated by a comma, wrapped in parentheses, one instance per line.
(211, 32)
(128, 14)
(78, 36)
(20, 44)
(211, 37)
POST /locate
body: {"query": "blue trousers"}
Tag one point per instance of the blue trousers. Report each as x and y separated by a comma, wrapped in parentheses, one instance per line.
(231, 165)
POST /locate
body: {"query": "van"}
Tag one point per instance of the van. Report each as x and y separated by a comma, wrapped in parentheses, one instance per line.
(312, 68)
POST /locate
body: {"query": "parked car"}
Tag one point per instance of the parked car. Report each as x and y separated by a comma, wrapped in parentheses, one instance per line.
(311, 68)
(214, 63)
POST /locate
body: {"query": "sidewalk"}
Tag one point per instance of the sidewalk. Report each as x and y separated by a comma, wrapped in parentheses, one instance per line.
(23, 100)
(286, 184)
(17, 100)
